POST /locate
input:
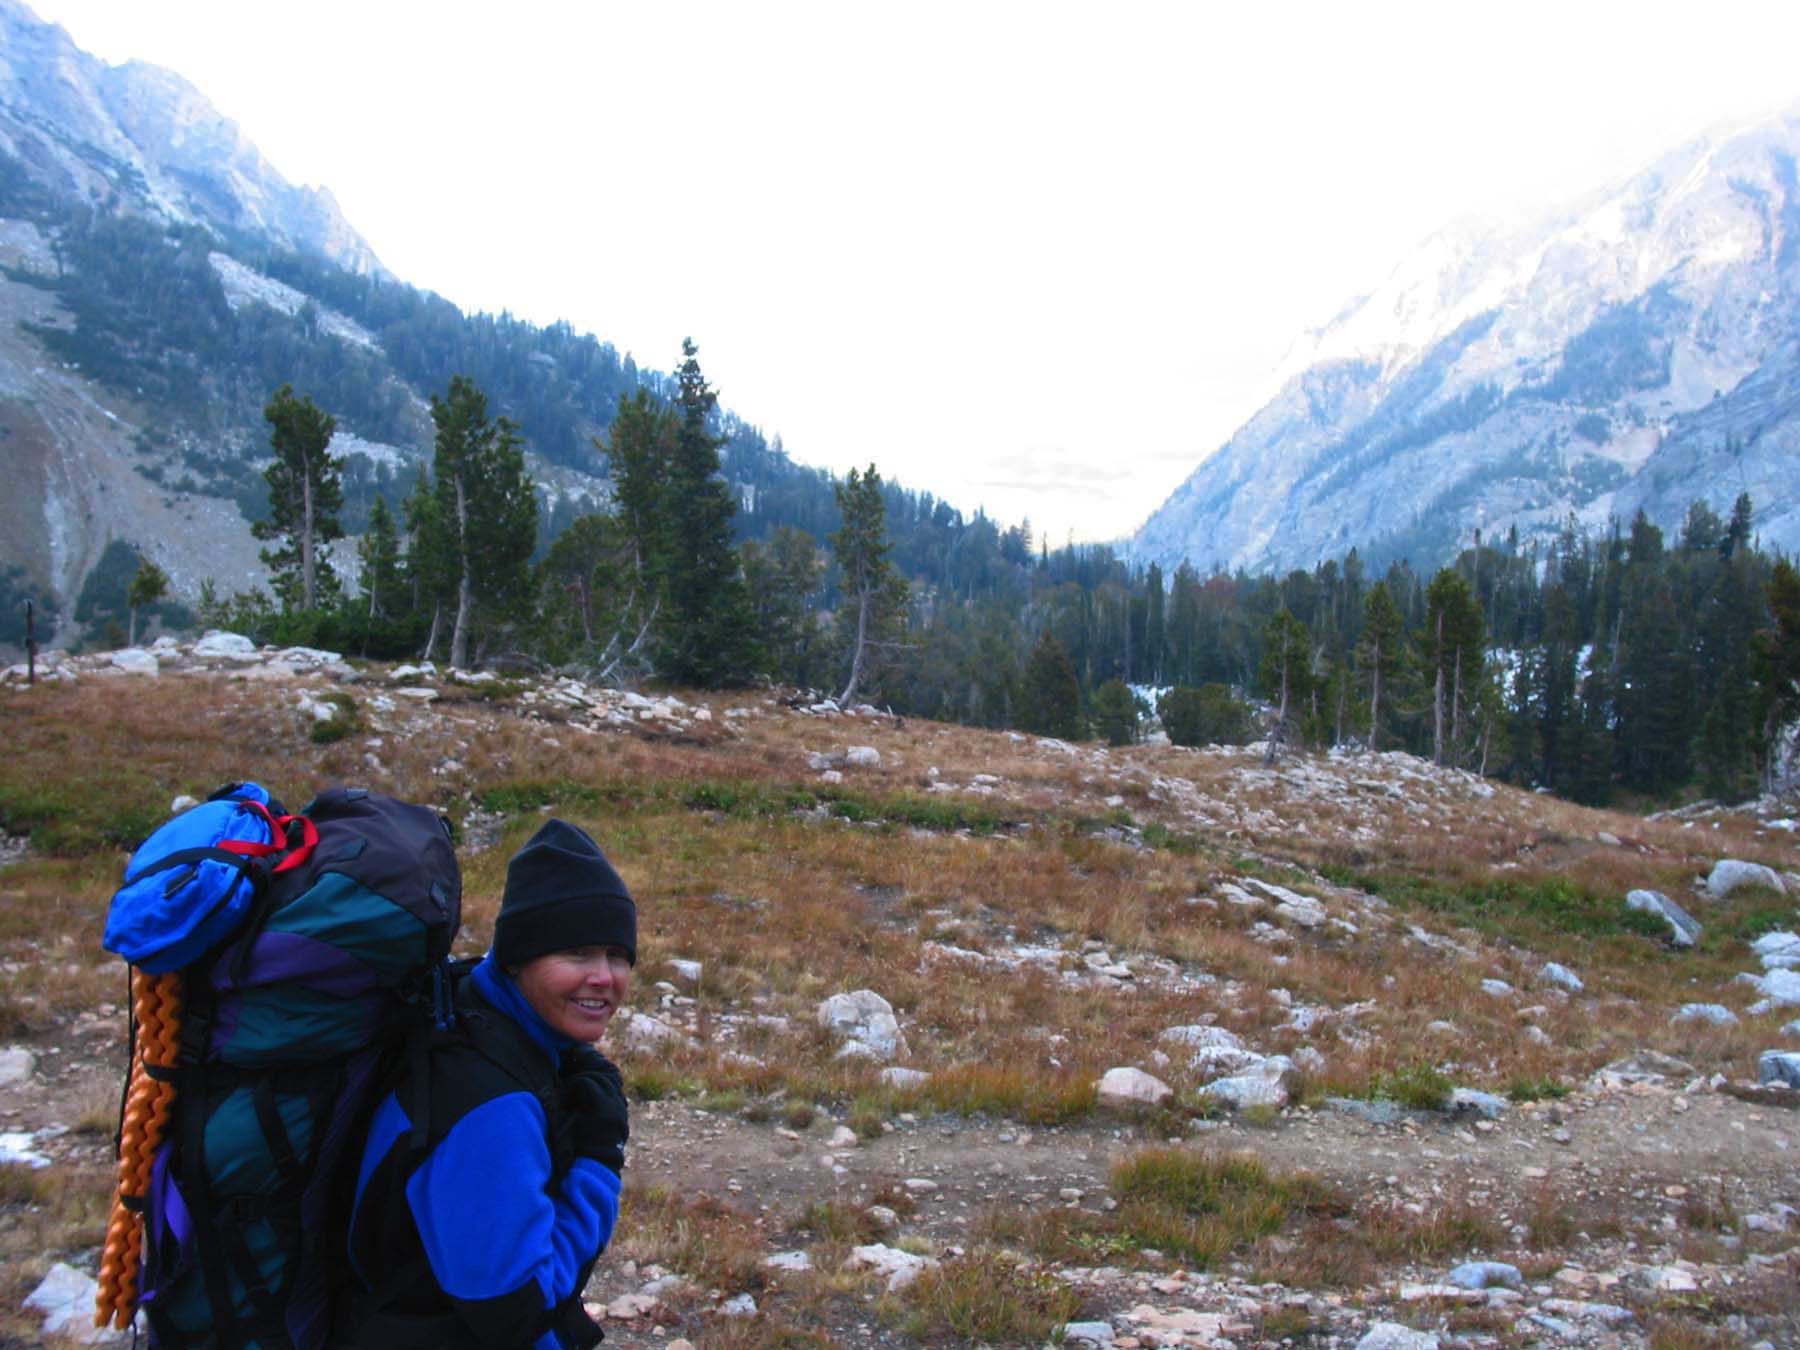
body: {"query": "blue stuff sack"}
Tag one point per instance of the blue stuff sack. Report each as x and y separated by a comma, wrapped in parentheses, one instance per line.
(189, 885)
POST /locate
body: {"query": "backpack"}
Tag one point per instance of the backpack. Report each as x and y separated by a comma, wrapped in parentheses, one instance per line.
(307, 955)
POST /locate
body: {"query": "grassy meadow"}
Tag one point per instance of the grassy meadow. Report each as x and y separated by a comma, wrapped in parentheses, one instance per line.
(788, 887)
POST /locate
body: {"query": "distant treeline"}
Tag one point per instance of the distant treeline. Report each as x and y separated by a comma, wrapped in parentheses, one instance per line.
(1606, 662)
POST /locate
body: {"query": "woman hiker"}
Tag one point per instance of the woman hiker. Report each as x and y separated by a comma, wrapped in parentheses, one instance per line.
(478, 1226)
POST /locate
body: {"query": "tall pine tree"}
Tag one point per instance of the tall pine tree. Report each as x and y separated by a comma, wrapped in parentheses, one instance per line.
(486, 510)
(874, 592)
(305, 493)
(707, 638)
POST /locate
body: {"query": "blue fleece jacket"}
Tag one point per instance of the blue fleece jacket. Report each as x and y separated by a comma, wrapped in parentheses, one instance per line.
(481, 1201)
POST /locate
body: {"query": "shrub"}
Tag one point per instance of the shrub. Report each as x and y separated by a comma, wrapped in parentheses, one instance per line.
(1209, 715)
(1416, 1085)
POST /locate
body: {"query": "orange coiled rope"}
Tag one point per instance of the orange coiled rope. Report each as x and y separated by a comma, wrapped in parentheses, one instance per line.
(157, 1001)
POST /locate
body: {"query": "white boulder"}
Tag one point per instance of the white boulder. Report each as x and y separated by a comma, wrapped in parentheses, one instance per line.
(135, 661)
(1729, 874)
(66, 1299)
(1683, 928)
(897, 1267)
(1560, 976)
(1264, 1085)
(16, 1065)
(1126, 1086)
(222, 646)
(1394, 1336)
(1780, 989)
(1779, 1066)
(864, 1021)
(1778, 951)
(863, 756)
(1715, 1014)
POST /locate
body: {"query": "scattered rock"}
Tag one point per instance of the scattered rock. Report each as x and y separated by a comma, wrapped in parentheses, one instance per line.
(1466, 1101)
(843, 1137)
(1380, 1112)
(16, 1147)
(866, 1024)
(1123, 1086)
(897, 1077)
(66, 1298)
(182, 802)
(1730, 874)
(1394, 1336)
(863, 757)
(1088, 1333)
(644, 1032)
(1498, 988)
(222, 646)
(793, 1261)
(628, 1307)
(1683, 929)
(1646, 1066)
(738, 1305)
(1779, 1066)
(16, 1065)
(1201, 1037)
(897, 1267)
(1265, 1085)
(1717, 1014)
(135, 661)
(1560, 976)
(1780, 989)
(687, 970)
(1485, 1275)
(1778, 951)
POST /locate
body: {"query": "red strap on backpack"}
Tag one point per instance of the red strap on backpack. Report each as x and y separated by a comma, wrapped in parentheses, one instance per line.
(282, 827)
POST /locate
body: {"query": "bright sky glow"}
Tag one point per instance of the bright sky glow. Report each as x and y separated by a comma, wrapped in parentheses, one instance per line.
(1035, 257)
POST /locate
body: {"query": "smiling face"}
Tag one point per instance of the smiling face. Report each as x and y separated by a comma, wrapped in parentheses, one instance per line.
(576, 991)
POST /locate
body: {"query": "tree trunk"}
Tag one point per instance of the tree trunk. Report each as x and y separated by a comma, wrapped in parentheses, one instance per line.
(856, 654)
(1375, 698)
(309, 587)
(465, 593)
(131, 627)
(1273, 750)
(1456, 708)
(437, 614)
(1437, 697)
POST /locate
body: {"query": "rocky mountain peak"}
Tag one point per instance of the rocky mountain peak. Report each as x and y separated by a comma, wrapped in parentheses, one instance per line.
(144, 135)
(1592, 360)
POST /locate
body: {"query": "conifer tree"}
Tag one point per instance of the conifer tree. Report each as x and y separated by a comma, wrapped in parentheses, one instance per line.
(1049, 693)
(1454, 655)
(783, 573)
(1380, 653)
(1777, 663)
(485, 507)
(1286, 674)
(1116, 713)
(379, 552)
(148, 585)
(430, 559)
(874, 592)
(707, 639)
(305, 493)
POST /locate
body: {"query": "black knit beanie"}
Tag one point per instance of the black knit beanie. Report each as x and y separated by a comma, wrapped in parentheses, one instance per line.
(561, 893)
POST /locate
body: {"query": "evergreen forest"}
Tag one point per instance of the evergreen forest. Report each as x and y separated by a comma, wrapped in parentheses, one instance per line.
(1602, 665)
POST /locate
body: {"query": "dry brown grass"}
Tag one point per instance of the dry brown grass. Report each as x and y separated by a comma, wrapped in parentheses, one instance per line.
(785, 905)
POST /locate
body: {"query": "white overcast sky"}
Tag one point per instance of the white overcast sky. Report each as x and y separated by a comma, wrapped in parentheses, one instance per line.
(1035, 257)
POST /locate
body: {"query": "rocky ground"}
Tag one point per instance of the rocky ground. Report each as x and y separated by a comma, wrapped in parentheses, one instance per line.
(1652, 1199)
